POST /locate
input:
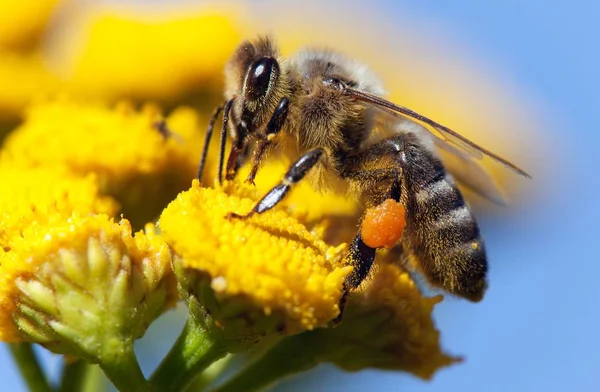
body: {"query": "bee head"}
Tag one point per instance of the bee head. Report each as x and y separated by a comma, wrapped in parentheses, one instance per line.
(254, 77)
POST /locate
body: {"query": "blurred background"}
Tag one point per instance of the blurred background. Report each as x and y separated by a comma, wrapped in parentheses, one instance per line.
(518, 77)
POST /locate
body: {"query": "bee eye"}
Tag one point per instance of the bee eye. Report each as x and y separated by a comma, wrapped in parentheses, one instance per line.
(260, 75)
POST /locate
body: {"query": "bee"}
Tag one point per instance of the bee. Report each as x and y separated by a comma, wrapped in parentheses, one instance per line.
(327, 110)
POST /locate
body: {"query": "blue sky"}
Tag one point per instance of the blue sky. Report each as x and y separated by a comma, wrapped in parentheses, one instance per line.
(537, 329)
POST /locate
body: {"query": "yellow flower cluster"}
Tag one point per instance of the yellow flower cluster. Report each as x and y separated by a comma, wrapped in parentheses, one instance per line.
(66, 171)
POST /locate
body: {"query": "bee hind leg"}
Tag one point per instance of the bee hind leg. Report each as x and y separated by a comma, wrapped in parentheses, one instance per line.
(361, 256)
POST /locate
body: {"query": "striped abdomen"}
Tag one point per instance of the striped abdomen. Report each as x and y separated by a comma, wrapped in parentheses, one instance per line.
(441, 231)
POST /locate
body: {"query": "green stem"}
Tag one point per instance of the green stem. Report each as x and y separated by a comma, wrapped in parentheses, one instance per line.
(123, 370)
(30, 369)
(73, 376)
(291, 355)
(208, 376)
(95, 381)
(194, 351)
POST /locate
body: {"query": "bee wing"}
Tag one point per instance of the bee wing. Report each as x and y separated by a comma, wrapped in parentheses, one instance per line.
(470, 173)
(464, 168)
(460, 145)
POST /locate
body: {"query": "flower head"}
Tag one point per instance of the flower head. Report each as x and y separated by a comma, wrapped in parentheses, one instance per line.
(271, 263)
(83, 285)
(132, 160)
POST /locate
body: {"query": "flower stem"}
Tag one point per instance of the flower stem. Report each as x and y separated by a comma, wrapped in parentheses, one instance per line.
(73, 376)
(291, 355)
(208, 376)
(194, 351)
(29, 367)
(123, 370)
(95, 380)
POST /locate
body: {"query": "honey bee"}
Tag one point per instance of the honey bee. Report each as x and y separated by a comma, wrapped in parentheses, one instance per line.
(327, 110)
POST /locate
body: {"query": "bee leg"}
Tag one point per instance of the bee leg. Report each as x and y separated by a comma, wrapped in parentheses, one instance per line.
(223, 139)
(209, 132)
(361, 256)
(273, 127)
(293, 175)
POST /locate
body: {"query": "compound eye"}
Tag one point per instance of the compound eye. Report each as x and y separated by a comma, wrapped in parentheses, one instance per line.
(261, 74)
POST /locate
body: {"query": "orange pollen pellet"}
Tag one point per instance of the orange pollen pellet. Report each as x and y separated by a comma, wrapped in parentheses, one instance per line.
(383, 224)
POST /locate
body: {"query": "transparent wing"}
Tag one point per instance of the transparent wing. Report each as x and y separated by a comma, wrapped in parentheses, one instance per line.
(470, 173)
(462, 165)
(444, 137)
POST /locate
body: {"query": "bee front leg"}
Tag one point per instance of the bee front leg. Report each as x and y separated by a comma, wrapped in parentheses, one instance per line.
(274, 125)
(292, 176)
(223, 139)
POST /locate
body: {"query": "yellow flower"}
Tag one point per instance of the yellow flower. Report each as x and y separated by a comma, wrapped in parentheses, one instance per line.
(45, 195)
(22, 22)
(271, 262)
(83, 285)
(132, 160)
(117, 52)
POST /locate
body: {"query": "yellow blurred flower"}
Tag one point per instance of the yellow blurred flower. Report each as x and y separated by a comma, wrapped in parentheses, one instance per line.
(23, 22)
(141, 53)
(142, 168)
(24, 77)
(83, 285)
(271, 261)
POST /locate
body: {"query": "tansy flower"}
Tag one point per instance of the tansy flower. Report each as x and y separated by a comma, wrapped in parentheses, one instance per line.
(84, 286)
(271, 263)
(134, 162)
